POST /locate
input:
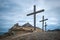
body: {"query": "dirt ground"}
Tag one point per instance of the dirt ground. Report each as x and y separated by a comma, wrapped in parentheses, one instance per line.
(35, 36)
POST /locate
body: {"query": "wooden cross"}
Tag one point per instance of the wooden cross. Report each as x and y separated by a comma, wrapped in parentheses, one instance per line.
(43, 22)
(45, 26)
(34, 13)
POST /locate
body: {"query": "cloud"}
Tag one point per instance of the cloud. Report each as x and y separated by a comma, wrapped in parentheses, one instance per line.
(13, 11)
(52, 3)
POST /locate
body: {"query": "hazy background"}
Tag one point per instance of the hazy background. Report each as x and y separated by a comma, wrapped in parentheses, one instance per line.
(15, 11)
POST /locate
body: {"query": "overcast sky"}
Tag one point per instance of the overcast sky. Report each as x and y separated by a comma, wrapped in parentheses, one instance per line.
(15, 11)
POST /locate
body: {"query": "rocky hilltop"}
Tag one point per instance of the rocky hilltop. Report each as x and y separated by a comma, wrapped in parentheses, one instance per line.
(16, 29)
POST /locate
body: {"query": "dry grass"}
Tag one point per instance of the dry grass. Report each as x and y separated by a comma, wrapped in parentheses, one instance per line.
(19, 31)
(31, 28)
(38, 36)
(41, 36)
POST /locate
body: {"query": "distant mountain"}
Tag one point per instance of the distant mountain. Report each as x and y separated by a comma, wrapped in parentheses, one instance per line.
(1, 33)
(54, 30)
(27, 25)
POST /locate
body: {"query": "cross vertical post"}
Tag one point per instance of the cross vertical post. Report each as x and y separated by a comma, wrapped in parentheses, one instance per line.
(34, 18)
(43, 23)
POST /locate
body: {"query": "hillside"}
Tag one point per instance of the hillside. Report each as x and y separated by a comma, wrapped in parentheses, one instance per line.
(16, 29)
(26, 26)
(36, 36)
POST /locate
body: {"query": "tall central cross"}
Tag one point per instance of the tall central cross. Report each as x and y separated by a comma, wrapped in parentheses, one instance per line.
(43, 22)
(34, 13)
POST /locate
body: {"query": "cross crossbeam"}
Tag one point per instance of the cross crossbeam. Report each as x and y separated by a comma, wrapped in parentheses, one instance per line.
(34, 13)
(43, 20)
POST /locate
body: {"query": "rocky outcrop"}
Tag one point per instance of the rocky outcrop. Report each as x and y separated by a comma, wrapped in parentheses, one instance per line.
(27, 25)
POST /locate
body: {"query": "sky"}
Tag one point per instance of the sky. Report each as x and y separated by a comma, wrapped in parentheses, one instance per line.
(15, 11)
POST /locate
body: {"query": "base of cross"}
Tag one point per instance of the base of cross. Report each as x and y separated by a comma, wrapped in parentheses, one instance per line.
(34, 28)
(43, 30)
